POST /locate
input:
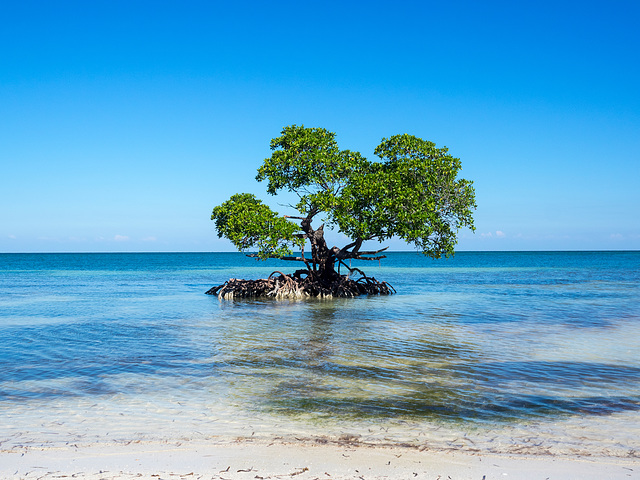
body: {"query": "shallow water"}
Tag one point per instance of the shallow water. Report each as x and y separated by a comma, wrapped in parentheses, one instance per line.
(534, 352)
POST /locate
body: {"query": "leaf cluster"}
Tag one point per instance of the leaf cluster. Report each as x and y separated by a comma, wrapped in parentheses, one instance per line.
(250, 224)
(412, 193)
(308, 162)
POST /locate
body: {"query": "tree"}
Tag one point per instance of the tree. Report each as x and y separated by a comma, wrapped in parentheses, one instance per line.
(411, 192)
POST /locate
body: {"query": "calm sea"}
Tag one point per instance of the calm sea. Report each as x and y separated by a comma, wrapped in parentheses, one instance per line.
(532, 352)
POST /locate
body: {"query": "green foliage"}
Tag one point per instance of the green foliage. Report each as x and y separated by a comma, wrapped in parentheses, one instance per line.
(249, 224)
(308, 161)
(412, 193)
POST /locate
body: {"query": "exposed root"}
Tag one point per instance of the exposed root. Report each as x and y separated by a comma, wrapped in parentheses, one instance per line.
(278, 286)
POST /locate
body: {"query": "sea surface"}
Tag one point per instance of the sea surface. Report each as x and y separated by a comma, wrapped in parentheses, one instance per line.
(521, 352)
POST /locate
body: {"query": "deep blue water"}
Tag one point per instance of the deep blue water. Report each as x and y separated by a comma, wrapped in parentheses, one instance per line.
(500, 337)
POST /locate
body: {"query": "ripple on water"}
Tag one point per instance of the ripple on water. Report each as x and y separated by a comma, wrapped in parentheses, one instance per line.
(499, 354)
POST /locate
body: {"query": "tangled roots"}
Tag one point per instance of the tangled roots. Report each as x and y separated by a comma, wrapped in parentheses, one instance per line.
(279, 285)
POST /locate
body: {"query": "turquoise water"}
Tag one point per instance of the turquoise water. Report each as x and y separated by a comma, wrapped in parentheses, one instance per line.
(494, 348)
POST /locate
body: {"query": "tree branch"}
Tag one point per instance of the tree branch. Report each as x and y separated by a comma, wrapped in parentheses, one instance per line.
(373, 253)
(370, 258)
(355, 254)
(351, 245)
(298, 259)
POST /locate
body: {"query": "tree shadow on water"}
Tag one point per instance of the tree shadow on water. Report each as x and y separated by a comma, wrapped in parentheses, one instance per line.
(342, 361)
(476, 392)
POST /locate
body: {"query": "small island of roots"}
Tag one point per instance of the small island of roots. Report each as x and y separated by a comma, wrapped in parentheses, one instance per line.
(411, 193)
(301, 285)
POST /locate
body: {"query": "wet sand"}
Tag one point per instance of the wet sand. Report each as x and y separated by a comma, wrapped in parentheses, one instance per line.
(245, 459)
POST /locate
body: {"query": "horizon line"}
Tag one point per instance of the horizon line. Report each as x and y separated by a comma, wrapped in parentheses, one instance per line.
(389, 251)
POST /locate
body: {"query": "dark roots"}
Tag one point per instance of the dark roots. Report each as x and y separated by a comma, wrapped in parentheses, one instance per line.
(279, 285)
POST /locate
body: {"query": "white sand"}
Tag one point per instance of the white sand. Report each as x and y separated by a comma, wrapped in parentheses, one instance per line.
(299, 461)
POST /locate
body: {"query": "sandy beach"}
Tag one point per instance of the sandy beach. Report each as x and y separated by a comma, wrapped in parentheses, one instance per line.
(245, 459)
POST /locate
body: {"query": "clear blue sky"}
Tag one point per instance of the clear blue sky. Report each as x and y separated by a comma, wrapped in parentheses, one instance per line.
(123, 123)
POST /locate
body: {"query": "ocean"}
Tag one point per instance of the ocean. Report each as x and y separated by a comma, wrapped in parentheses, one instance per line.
(512, 352)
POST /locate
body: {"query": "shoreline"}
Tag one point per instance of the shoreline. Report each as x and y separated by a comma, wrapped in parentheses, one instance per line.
(301, 460)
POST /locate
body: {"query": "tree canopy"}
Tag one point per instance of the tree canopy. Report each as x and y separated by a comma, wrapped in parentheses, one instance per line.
(410, 192)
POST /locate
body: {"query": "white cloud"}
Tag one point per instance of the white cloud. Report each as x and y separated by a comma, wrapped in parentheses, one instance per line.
(12, 237)
(149, 239)
(121, 238)
(497, 234)
(616, 236)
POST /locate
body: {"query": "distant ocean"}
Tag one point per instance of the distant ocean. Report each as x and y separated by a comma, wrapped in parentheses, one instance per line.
(523, 352)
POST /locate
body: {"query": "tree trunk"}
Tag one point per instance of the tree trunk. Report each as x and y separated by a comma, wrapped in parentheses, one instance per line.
(326, 268)
(322, 257)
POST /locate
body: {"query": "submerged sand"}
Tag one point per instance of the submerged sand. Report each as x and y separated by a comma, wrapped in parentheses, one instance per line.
(304, 460)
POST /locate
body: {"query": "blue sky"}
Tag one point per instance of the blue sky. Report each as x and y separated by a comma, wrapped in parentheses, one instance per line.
(122, 124)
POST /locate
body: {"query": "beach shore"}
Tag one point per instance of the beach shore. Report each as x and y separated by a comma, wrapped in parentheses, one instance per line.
(246, 459)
